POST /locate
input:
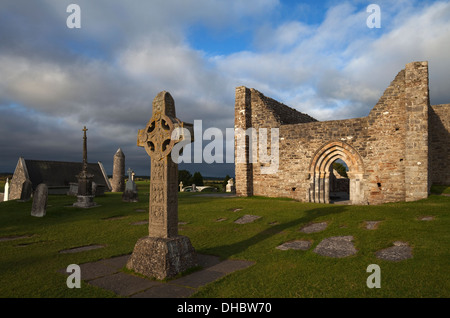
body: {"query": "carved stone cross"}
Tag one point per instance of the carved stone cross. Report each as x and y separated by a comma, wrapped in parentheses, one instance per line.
(163, 253)
(157, 141)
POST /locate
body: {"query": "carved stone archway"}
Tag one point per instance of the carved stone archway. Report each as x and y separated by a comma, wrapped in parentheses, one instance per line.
(319, 170)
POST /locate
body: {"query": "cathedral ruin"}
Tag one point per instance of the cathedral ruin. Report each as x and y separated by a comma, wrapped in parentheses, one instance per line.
(394, 154)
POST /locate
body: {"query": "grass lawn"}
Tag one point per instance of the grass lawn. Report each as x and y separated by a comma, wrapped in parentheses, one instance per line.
(29, 266)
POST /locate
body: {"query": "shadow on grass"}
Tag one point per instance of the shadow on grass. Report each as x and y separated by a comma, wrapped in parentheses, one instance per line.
(231, 249)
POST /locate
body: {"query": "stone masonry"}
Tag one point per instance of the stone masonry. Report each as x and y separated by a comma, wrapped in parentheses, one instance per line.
(394, 154)
(118, 180)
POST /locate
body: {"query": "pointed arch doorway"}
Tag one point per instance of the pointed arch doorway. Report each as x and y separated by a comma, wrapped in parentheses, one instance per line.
(320, 169)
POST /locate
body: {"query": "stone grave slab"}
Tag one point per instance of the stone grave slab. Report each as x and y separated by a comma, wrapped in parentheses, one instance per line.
(314, 227)
(140, 222)
(247, 219)
(295, 245)
(371, 225)
(12, 238)
(399, 252)
(123, 284)
(81, 249)
(336, 246)
(427, 218)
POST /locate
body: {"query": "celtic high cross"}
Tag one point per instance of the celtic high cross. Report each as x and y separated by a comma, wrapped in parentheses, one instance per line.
(157, 140)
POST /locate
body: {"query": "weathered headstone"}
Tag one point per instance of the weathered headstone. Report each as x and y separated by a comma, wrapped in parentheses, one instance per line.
(39, 207)
(194, 188)
(85, 198)
(230, 185)
(181, 186)
(118, 180)
(6, 193)
(27, 190)
(130, 194)
(163, 253)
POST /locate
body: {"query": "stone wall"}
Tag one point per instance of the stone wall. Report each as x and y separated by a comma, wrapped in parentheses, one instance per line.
(440, 144)
(19, 177)
(386, 152)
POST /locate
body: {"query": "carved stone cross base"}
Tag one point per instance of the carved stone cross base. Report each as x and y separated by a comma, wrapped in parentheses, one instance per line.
(85, 201)
(162, 257)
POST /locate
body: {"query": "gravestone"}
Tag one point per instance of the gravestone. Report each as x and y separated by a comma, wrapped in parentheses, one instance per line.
(230, 185)
(194, 188)
(85, 198)
(39, 207)
(6, 194)
(130, 194)
(27, 189)
(163, 253)
(181, 186)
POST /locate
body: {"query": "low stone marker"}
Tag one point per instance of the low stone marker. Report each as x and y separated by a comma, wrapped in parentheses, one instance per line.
(295, 245)
(247, 219)
(314, 228)
(39, 207)
(399, 252)
(130, 194)
(336, 246)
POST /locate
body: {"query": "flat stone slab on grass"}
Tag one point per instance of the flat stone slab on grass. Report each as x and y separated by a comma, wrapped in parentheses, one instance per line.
(399, 252)
(140, 222)
(82, 249)
(295, 245)
(371, 225)
(11, 238)
(314, 228)
(107, 274)
(247, 219)
(336, 246)
(220, 219)
(116, 217)
(427, 218)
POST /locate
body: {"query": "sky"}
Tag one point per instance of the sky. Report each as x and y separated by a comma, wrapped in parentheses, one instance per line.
(319, 57)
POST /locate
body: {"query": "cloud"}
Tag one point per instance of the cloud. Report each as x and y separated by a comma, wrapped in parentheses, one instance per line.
(55, 80)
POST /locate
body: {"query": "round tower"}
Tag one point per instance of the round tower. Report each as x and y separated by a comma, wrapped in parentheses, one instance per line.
(118, 180)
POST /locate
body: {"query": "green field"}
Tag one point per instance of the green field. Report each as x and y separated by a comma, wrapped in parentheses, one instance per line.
(29, 266)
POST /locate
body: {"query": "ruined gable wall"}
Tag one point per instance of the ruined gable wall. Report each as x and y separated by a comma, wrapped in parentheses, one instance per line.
(440, 144)
(378, 138)
(385, 152)
(19, 177)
